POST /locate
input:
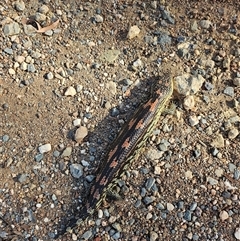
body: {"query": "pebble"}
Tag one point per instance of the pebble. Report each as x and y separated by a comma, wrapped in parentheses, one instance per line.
(218, 141)
(11, 29)
(187, 84)
(31, 68)
(70, 91)
(166, 16)
(98, 18)
(39, 157)
(112, 87)
(193, 120)
(19, 5)
(193, 206)
(237, 233)
(212, 181)
(77, 122)
(189, 102)
(148, 200)
(76, 170)
(154, 154)
(219, 172)
(56, 153)
(229, 91)
(43, 9)
(236, 174)
(133, 32)
(39, 17)
(153, 236)
(236, 81)
(149, 183)
(67, 152)
(49, 76)
(170, 207)
(80, 133)
(223, 215)
(233, 133)
(22, 178)
(110, 55)
(116, 236)
(188, 216)
(5, 138)
(8, 51)
(87, 235)
(44, 148)
(137, 64)
(205, 24)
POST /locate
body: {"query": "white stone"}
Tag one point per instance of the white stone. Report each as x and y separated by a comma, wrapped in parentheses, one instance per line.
(170, 207)
(237, 233)
(44, 148)
(70, 91)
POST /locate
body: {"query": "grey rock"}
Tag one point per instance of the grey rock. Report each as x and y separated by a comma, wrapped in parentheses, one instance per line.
(5, 138)
(188, 216)
(205, 24)
(22, 178)
(229, 91)
(76, 170)
(8, 51)
(11, 29)
(87, 235)
(149, 183)
(38, 157)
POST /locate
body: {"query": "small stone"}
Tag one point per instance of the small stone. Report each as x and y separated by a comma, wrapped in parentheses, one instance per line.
(98, 18)
(193, 120)
(157, 170)
(11, 71)
(19, 59)
(236, 81)
(8, 51)
(188, 174)
(11, 29)
(80, 133)
(153, 236)
(108, 105)
(218, 141)
(236, 174)
(49, 76)
(31, 68)
(133, 32)
(39, 157)
(112, 87)
(87, 235)
(194, 26)
(188, 216)
(44, 148)
(233, 133)
(43, 9)
(149, 183)
(67, 151)
(237, 233)
(76, 170)
(170, 207)
(212, 181)
(22, 178)
(77, 122)
(223, 215)
(189, 102)
(39, 17)
(154, 154)
(5, 138)
(100, 213)
(229, 91)
(70, 91)
(219, 172)
(205, 24)
(19, 5)
(137, 64)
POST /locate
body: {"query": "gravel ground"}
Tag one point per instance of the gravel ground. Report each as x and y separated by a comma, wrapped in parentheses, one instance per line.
(65, 91)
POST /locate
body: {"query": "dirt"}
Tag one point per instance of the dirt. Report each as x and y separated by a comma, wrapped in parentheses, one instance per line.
(38, 197)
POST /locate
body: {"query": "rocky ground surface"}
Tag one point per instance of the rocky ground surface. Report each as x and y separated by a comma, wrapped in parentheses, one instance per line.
(67, 88)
